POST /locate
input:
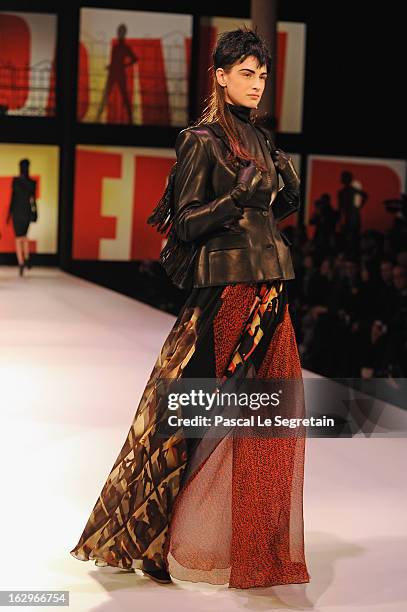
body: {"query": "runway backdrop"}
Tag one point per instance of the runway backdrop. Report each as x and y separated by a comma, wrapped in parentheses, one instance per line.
(136, 58)
(157, 50)
(381, 179)
(27, 63)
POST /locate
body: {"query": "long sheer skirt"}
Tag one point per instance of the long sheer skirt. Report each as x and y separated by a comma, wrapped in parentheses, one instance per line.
(226, 510)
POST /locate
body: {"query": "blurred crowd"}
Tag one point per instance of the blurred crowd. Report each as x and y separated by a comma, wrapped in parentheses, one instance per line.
(349, 299)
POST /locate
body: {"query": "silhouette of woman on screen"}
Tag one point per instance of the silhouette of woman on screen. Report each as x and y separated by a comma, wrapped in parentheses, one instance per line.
(117, 72)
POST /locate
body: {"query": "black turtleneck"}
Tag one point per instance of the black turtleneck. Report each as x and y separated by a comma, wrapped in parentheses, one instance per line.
(243, 112)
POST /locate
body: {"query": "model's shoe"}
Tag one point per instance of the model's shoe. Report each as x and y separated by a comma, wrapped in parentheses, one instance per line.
(28, 263)
(21, 266)
(161, 576)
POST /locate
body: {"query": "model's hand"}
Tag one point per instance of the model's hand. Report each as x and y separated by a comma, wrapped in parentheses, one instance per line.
(285, 167)
(281, 159)
(247, 180)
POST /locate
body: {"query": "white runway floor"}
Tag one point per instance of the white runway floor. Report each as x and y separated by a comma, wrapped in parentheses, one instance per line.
(75, 358)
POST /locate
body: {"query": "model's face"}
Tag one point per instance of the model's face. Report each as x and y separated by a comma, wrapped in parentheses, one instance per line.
(244, 83)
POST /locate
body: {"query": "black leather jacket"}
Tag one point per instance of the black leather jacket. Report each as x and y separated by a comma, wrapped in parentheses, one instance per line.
(250, 249)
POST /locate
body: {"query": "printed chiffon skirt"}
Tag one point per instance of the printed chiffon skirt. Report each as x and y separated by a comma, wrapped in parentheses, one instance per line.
(227, 512)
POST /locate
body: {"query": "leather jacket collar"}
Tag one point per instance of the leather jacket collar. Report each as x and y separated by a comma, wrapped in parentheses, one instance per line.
(243, 112)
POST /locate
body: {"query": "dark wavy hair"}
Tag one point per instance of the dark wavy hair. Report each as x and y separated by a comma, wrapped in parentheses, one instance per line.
(234, 47)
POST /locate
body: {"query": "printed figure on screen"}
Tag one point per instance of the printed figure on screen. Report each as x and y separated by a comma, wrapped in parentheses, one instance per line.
(117, 74)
